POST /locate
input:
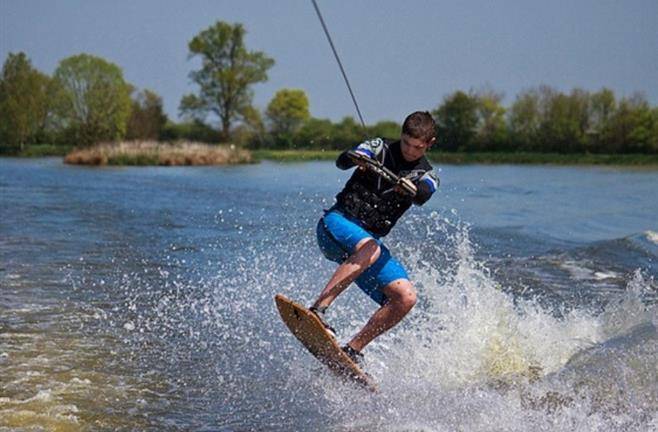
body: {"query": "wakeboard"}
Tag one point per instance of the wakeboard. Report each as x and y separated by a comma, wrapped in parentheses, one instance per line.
(306, 327)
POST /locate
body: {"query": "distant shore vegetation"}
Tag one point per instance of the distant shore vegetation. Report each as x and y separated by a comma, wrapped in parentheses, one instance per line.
(488, 158)
(86, 101)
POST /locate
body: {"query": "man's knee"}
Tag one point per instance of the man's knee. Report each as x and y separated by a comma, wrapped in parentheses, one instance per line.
(402, 293)
(409, 298)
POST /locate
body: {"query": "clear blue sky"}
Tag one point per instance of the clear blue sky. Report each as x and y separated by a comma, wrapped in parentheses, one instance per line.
(400, 55)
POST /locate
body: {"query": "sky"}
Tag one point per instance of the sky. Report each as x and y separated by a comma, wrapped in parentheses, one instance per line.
(400, 56)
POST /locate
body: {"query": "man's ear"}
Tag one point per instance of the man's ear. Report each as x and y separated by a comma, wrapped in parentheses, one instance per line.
(431, 143)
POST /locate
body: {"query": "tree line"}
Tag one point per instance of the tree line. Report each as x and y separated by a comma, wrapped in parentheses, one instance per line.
(87, 100)
(545, 120)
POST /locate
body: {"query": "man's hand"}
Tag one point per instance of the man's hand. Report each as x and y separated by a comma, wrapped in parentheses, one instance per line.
(358, 158)
(406, 187)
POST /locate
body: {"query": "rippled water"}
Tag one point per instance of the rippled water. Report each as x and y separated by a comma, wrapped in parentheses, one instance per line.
(141, 299)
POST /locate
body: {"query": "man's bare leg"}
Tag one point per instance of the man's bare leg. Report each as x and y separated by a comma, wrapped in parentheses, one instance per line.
(401, 297)
(366, 253)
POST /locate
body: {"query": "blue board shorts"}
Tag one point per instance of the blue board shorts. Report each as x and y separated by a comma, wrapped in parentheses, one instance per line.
(338, 234)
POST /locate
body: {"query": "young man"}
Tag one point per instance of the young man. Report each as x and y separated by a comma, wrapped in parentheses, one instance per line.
(366, 209)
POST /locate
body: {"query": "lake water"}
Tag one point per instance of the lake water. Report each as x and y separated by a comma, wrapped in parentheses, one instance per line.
(142, 299)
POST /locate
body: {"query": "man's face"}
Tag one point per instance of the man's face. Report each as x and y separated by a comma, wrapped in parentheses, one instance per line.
(414, 148)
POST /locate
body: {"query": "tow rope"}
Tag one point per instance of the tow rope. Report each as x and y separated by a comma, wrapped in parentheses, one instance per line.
(340, 64)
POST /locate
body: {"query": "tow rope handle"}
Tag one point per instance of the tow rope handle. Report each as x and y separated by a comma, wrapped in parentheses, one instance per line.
(379, 169)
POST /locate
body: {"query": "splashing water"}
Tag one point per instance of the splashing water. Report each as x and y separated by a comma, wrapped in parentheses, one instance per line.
(471, 356)
(446, 368)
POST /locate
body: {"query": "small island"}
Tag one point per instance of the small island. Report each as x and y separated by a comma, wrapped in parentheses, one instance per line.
(142, 153)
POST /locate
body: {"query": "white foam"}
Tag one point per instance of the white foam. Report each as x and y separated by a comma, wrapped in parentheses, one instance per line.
(629, 311)
(652, 236)
(580, 271)
(41, 396)
(603, 275)
(487, 335)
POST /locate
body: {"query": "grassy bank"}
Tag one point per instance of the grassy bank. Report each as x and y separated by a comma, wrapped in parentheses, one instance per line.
(156, 153)
(479, 158)
(36, 150)
(544, 158)
(295, 155)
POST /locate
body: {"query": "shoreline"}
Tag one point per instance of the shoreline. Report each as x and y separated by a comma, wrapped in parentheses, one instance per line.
(480, 158)
(190, 154)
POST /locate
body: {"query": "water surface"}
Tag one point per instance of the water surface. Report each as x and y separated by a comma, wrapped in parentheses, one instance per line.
(141, 299)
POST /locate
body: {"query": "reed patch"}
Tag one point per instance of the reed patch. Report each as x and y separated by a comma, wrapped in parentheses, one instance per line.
(158, 153)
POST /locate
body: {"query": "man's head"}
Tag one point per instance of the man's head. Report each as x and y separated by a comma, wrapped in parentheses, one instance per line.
(418, 135)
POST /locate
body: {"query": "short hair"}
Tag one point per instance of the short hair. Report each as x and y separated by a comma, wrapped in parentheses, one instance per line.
(420, 125)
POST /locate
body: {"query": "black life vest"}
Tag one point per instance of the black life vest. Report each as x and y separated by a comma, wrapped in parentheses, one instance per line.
(371, 199)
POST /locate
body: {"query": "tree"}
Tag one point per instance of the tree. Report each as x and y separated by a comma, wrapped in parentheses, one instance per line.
(251, 132)
(95, 100)
(316, 133)
(192, 131)
(602, 106)
(228, 70)
(630, 127)
(653, 147)
(385, 129)
(564, 120)
(23, 101)
(287, 111)
(347, 133)
(491, 130)
(147, 118)
(524, 120)
(456, 122)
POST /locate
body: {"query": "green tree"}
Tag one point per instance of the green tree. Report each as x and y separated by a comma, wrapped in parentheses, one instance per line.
(385, 129)
(286, 113)
(193, 130)
(524, 120)
(347, 133)
(653, 144)
(147, 118)
(491, 129)
(23, 101)
(228, 70)
(564, 121)
(457, 122)
(251, 131)
(316, 133)
(602, 106)
(629, 128)
(94, 102)
(631, 125)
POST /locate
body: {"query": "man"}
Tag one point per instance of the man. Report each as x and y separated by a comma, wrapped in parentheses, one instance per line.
(367, 209)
